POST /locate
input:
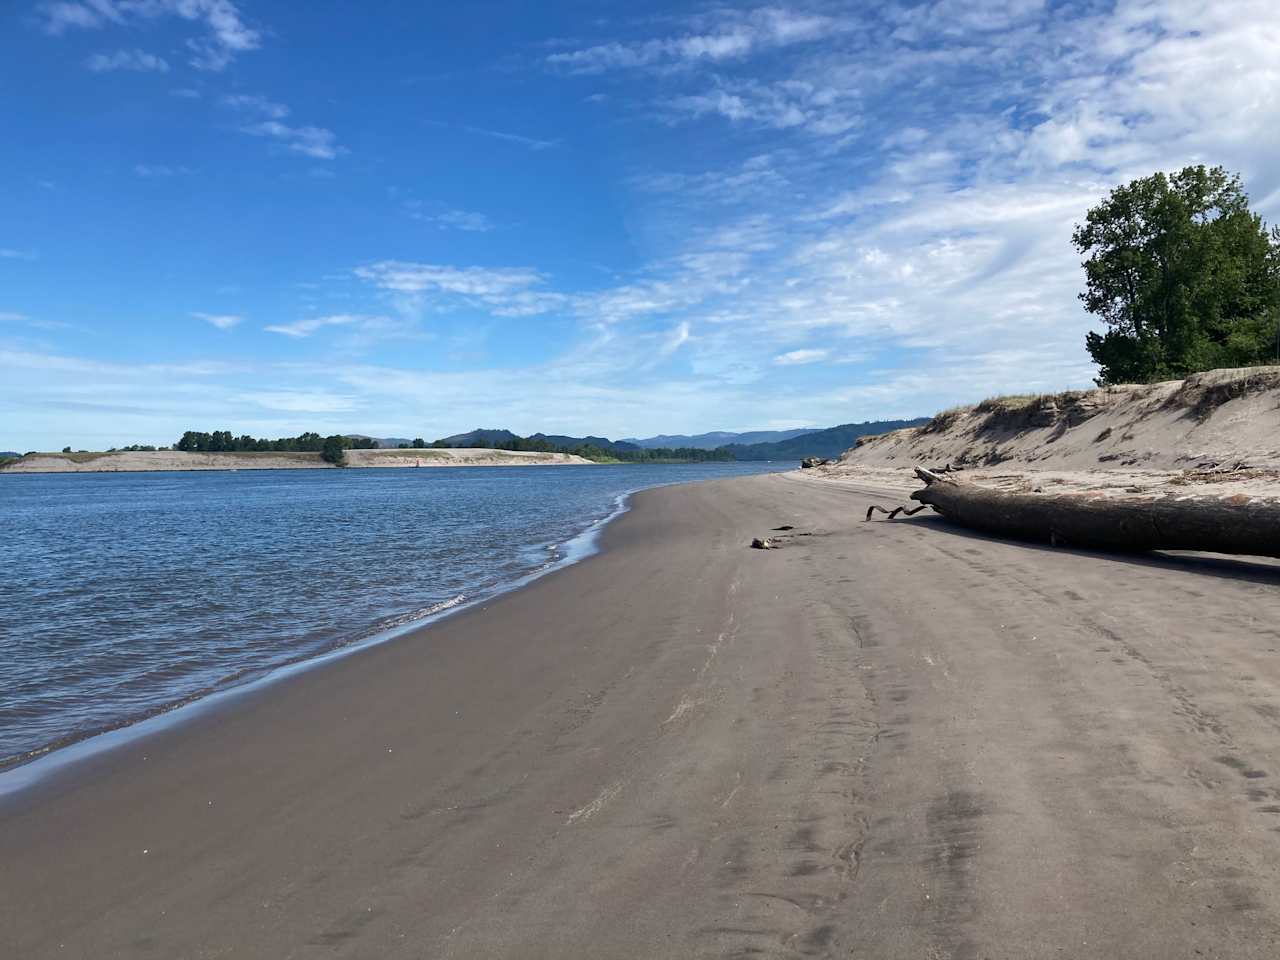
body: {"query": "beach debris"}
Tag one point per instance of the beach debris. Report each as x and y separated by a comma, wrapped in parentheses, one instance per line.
(763, 543)
(1234, 524)
(904, 510)
(809, 462)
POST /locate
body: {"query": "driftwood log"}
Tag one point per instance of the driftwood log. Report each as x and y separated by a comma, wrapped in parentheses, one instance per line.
(1235, 524)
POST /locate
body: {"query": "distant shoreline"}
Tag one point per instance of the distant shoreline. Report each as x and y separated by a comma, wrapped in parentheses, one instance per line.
(177, 461)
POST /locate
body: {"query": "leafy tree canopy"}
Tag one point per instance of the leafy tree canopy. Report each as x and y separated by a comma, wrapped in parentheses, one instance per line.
(1184, 275)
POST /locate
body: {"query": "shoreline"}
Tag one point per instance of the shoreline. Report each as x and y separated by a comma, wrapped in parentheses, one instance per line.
(890, 740)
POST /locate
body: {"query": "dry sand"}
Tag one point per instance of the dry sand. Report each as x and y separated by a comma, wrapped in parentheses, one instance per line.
(883, 740)
(168, 460)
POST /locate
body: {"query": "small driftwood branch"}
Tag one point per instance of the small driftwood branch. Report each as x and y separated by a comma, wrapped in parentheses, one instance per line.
(904, 510)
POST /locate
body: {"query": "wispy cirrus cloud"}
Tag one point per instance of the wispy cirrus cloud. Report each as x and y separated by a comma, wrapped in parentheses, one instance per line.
(264, 120)
(225, 34)
(223, 321)
(531, 142)
(466, 220)
(712, 38)
(137, 61)
(316, 142)
(256, 104)
(504, 291)
(299, 329)
(796, 357)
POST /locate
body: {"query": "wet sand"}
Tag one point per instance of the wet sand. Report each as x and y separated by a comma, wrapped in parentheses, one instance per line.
(883, 740)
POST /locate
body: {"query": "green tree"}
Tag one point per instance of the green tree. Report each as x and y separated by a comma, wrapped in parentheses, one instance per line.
(419, 443)
(1184, 275)
(334, 450)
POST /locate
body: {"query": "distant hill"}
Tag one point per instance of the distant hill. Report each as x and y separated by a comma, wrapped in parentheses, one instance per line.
(604, 443)
(479, 435)
(717, 438)
(9, 454)
(385, 443)
(823, 443)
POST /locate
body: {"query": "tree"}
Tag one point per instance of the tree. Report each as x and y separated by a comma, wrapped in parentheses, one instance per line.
(1184, 275)
(419, 443)
(334, 450)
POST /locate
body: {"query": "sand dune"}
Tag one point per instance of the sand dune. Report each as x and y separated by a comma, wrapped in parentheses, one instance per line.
(1217, 431)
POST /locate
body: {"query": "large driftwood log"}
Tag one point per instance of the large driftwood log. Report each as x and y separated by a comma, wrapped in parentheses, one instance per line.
(1237, 524)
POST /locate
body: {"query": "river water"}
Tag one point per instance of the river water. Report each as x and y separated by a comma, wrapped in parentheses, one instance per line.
(123, 595)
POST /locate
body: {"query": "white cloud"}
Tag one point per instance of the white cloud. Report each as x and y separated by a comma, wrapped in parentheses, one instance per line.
(733, 35)
(409, 277)
(223, 321)
(256, 104)
(316, 142)
(466, 220)
(796, 357)
(225, 33)
(137, 61)
(306, 327)
(676, 339)
(264, 121)
(10, 253)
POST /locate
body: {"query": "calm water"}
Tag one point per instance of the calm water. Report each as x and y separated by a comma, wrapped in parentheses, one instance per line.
(124, 594)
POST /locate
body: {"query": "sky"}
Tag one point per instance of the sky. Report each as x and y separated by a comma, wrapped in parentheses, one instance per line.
(408, 219)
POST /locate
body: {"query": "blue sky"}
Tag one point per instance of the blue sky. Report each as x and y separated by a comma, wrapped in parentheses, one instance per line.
(607, 217)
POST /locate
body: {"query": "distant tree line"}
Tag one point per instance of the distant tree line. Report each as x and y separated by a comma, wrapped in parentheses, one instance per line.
(331, 448)
(417, 443)
(222, 441)
(592, 452)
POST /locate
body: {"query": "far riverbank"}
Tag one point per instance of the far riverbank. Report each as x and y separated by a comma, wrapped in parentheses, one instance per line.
(139, 461)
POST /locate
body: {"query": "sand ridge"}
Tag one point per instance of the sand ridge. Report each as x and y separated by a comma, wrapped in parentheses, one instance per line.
(177, 460)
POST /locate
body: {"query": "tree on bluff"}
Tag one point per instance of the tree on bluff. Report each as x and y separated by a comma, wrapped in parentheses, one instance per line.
(1185, 276)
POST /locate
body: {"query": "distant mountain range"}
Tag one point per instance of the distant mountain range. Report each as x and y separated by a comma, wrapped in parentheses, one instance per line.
(490, 437)
(479, 436)
(717, 438)
(9, 454)
(821, 443)
(751, 445)
(604, 443)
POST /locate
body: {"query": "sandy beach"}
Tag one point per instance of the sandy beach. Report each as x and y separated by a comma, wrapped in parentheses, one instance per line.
(882, 740)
